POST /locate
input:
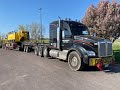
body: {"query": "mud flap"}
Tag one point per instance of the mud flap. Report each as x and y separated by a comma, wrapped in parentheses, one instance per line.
(100, 66)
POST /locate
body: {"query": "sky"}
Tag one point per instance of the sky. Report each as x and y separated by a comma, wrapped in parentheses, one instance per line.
(21, 12)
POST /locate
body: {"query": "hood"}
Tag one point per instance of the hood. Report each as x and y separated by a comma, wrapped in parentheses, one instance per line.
(89, 43)
(88, 38)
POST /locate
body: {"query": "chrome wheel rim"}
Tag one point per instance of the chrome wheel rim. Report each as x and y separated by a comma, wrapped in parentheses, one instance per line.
(35, 51)
(24, 49)
(74, 61)
(45, 52)
(39, 53)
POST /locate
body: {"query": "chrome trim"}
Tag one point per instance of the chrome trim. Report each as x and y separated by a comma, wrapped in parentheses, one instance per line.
(111, 48)
(106, 42)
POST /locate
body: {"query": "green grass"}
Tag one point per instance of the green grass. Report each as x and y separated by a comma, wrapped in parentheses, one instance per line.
(116, 50)
(44, 40)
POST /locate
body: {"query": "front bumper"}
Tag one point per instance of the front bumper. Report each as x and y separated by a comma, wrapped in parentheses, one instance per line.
(104, 61)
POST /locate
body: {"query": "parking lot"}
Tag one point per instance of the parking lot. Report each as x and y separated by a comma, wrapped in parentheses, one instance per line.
(25, 71)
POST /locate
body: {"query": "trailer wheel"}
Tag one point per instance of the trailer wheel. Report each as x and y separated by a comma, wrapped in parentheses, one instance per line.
(19, 49)
(27, 49)
(75, 61)
(36, 51)
(46, 52)
(24, 48)
(40, 52)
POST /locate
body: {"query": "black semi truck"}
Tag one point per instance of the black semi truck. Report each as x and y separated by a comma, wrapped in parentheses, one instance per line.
(71, 41)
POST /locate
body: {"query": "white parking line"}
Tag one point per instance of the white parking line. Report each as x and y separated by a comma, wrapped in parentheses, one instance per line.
(11, 80)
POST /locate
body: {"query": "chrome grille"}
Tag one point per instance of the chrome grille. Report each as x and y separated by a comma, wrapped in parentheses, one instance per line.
(104, 48)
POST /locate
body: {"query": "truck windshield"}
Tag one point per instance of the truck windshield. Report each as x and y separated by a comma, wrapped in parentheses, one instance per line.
(79, 30)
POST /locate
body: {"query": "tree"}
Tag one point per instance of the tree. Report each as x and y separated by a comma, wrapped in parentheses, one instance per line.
(2, 37)
(24, 27)
(35, 31)
(104, 19)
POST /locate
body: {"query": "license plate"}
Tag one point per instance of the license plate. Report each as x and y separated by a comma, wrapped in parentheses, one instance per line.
(94, 61)
(106, 61)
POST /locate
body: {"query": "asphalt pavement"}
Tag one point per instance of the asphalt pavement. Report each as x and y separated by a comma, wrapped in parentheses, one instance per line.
(25, 71)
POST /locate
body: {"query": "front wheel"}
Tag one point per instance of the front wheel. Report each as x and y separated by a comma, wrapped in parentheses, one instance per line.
(75, 62)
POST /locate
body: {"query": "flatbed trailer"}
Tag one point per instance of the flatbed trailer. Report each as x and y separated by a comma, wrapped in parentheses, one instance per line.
(18, 41)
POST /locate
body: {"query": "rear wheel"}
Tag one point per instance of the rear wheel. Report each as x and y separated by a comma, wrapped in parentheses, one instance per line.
(24, 48)
(19, 48)
(36, 51)
(40, 52)
(46, 52)
(27, 49)
(75, 61)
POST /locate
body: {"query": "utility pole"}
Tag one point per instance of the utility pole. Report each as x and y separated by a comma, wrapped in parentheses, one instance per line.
(40, 24)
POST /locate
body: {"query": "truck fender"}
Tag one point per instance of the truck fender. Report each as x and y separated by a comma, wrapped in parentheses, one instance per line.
(81, 51)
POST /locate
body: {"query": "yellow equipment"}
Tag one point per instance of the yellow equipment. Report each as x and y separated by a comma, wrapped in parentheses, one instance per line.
(15, 40)
(19, 36)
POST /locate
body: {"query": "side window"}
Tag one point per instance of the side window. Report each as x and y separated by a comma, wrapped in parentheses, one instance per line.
(65, 33)
(53, 33)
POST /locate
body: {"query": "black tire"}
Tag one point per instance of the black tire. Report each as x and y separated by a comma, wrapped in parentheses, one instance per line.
(46, 52)
(75, 62)
(40, 52)
(19, 49)
(36, 51)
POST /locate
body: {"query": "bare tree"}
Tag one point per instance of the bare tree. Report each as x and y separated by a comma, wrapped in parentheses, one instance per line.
(24, 27)
(2, 37)
(35, 31)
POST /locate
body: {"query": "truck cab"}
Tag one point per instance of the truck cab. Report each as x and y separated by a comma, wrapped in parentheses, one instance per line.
(71, 41)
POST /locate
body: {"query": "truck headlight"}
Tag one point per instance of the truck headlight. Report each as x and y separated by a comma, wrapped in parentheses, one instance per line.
(91, 53)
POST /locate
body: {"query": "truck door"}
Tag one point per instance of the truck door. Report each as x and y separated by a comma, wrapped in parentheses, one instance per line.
(66, 39)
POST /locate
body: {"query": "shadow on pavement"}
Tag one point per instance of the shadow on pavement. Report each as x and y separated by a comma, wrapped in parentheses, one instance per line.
(110, 69)
(89, 69)
(113, 69)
